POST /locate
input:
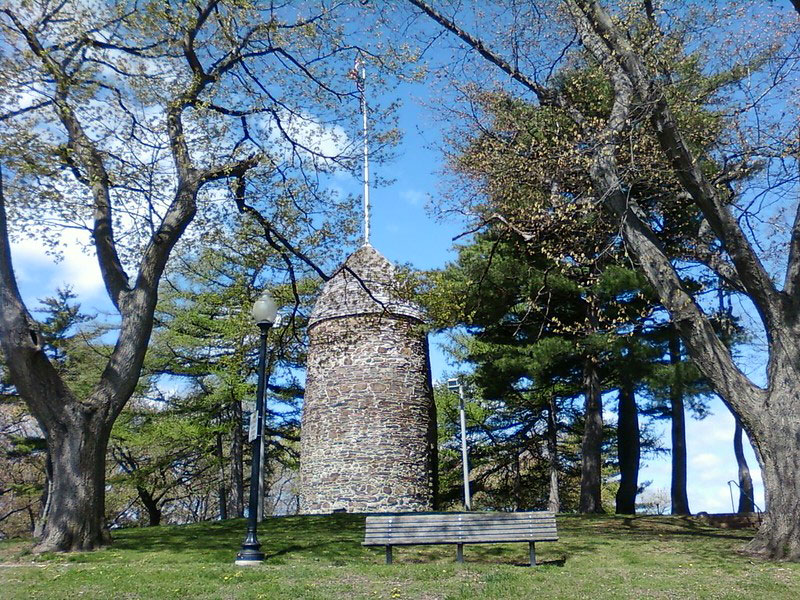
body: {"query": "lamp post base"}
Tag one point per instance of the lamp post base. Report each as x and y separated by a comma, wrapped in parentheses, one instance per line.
(248, 558)
(250, 552)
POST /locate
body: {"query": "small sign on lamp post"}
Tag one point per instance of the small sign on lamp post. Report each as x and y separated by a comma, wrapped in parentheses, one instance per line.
(252, 432)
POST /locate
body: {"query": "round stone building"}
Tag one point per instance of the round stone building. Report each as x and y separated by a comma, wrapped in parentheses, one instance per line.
(368, 439)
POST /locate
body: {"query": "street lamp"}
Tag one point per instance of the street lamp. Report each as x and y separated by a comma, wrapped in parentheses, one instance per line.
(455, 385)
(264, 313)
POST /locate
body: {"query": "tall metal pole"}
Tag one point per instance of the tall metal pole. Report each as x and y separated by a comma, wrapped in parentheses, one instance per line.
(260, 511)
(361, 79)
(251, 554)
(464, 456)
(262, 470)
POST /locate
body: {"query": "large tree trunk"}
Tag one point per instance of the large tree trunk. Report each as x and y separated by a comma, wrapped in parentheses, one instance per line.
(746, 501)
(237, 460)
(151, 505)
(77, 429)
(553, 500)
(77, 450)
(591, 445)
(770, 415)
(46, 498)
(678, 495)
(777, 437)
(222, 492)
(628, 447)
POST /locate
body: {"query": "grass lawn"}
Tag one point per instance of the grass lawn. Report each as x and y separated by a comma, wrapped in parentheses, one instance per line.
(322, 557)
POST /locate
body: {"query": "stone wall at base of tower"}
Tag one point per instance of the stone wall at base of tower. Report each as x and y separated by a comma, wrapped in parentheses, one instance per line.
(369, 424)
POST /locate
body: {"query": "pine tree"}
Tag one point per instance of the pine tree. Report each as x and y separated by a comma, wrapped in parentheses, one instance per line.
(527, 337)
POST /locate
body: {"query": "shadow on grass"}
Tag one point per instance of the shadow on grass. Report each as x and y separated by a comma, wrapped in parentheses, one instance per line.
(586, 534)
(336, 539)
(647, 526)
(558, 562)
(333, 537)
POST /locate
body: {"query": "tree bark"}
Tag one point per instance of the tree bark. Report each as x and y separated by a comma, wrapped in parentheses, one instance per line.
(222, 492)
(678, 494)
(779, 448)
(553, 500)
(629, 451)
(591, 445)
(746, 501)
(46, 498)
(78, 450)
(237, 460)
(151, 505)
(516, 494)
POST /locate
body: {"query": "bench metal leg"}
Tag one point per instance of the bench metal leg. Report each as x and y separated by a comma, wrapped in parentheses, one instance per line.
(532, 547)
(460, 553)
(388, 555)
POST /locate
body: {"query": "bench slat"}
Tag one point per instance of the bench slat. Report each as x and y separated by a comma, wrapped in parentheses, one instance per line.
(462, 531)
(403, 541)
(460, 534)
(459, 527)
(462, 517)
(522, 535)
(463, 523)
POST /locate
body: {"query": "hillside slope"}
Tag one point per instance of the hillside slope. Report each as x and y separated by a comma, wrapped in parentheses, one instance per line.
(321, 557)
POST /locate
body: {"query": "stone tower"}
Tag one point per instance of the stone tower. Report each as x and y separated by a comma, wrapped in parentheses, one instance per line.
(368, 442)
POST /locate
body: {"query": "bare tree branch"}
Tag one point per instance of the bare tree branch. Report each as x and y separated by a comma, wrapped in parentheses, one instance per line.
(696, 329)
(542, 93)
(271, 232)
(89, 159)
(30, 369)
(709, 199)
(27, 109)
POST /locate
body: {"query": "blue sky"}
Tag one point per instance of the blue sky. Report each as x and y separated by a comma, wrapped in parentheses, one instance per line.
(405, 232)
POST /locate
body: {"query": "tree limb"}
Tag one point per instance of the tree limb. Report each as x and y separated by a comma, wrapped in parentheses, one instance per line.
(30, 369)
(270, 230)
(542, 93)
(87, 156)
(27, 109)
(613, 46)
(712, 356)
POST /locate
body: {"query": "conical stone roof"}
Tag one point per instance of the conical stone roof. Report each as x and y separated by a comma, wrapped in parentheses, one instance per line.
(367, 283)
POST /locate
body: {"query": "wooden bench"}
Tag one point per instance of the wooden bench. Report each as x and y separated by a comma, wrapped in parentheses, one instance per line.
(409, 529)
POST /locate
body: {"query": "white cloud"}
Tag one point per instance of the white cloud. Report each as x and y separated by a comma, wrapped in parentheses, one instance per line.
(413, 197)
(39, 275)
(706, 465)
(716, 428)
(314, 139)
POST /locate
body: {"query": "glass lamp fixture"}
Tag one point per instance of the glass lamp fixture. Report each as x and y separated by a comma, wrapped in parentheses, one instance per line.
(265, 310)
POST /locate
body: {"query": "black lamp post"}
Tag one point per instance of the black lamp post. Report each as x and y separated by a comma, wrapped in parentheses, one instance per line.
(264, 312)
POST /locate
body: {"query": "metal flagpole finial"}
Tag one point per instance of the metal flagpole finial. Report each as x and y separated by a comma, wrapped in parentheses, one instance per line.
(359, 74)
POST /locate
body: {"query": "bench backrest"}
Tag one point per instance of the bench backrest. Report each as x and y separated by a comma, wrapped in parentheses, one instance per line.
(460, 528)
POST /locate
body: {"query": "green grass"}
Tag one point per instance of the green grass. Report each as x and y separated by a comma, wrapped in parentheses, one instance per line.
(322, 557)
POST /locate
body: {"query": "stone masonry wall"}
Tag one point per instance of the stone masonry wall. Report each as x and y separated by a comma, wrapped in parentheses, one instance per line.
(369, 423)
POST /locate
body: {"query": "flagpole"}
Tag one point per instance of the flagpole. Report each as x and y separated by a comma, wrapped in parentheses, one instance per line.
(361, 86)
